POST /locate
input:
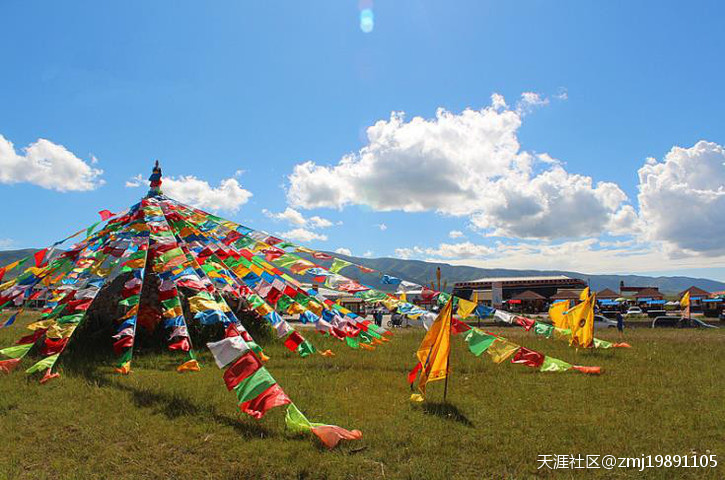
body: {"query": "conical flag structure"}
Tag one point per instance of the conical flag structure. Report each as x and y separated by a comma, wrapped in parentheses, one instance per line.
(198, 261)
(186, 249)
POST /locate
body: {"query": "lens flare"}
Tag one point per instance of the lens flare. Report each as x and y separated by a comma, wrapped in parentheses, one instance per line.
(367, 20)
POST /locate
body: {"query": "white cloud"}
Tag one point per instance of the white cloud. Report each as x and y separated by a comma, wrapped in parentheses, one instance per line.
(289, 215)
(6, 243)
(368, 254)
(47, 165)
(455, 234)
(381, 226)
(459, 250)
(682, 200)
(344, 251)
(319, 222)
(529, 101)
(228, 196)
(294, 217)
(588, 255)
(464, 164)
(134, 182)
(303, 235)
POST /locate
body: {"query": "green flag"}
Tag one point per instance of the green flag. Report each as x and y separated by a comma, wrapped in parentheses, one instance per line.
(338, 264)
(554, 365)
(44, 364)
(478, 341)
(544, 329)
(16, 351)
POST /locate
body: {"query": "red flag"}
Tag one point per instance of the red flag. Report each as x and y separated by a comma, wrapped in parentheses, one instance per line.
(528, 357)
(39, 256)
(589, 370)
(293, 341)
(413, 374)
(2, 273)
(124, 342)
(181, 344)
(7, 366)
(331, 435)
(458, 327)
(31, 338)
(49, 376)
(527, 323)
(245, 366)
(272, 296)
(427, 294)
(105, 214)
(51, 346)
(274, 396)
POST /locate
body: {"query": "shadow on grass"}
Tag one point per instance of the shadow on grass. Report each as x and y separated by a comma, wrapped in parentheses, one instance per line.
(446, 411)
(171, 405)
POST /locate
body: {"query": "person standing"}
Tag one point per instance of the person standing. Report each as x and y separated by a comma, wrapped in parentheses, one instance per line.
(620, 324)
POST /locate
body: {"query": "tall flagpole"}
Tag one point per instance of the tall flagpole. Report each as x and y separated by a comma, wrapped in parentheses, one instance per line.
(448, 357)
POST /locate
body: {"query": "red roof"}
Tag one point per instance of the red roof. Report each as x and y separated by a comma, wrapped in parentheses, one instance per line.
(695, 292)
(607, 293)
(565, 295)
(649, 293)
(528, 295)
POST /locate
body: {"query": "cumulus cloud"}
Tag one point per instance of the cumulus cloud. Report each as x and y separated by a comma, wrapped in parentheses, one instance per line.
(381, 226)
(344, 251)
(467, 164)
(228, 196)
(47, 165)
(303, 235)
(585, 255)
(682, 200)
(295, 217)
(455, 234)
(529, 101)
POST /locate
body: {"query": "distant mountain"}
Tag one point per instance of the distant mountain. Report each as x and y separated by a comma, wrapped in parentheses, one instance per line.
(424, 272)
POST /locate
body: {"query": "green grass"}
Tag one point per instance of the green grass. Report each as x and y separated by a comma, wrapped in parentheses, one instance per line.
(664, 396)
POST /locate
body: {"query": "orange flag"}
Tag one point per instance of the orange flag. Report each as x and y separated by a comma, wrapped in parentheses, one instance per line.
(435, 348)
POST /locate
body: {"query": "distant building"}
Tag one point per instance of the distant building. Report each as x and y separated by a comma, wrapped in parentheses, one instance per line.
(536, 291)
(607, 294)
(700, 300)
(632, 291)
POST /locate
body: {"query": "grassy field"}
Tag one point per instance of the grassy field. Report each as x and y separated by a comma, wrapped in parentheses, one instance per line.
(664, 396)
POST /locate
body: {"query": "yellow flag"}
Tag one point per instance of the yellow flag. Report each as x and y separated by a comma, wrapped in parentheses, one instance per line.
(465, 307)
(404, 297)
(581, 322)
(501, 349)
(584, 295)
(295, 308)
(685, 300)
(556, 312)
(435, 348)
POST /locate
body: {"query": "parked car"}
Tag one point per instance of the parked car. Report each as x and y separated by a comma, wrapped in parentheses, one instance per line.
(633, 311)
(700, 324)
(601, 321)
(666, 321)
(679, 322)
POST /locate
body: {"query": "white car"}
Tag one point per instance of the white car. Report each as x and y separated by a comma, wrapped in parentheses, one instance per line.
(633, 311)
(600, 321)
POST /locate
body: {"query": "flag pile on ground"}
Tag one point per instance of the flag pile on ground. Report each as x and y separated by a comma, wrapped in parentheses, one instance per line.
(188, 250)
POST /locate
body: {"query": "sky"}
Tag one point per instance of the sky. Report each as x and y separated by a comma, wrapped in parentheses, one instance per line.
(576, 135)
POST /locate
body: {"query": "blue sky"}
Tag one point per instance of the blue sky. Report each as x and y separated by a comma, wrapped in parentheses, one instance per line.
(217, 88)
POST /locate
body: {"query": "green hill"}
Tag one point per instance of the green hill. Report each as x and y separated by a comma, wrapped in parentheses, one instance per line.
(424, 272)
